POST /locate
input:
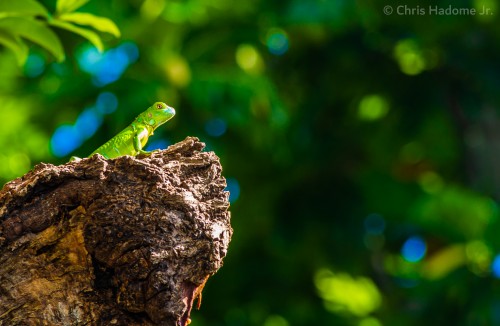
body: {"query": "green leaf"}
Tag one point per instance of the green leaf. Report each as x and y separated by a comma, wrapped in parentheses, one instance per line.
(36, 32)
(101, 24)
(64, 6)
(22, 8)
(89, 35)
(14, 43)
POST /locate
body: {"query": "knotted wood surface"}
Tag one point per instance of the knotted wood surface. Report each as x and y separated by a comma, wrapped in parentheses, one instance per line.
(129, 241)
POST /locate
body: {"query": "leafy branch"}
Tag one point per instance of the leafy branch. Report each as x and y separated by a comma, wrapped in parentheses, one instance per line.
(22, 20)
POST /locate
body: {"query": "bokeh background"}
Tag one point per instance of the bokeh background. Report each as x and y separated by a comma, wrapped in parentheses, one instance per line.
(360, 144)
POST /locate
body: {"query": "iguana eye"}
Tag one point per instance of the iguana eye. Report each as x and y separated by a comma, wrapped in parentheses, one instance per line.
(159, 106)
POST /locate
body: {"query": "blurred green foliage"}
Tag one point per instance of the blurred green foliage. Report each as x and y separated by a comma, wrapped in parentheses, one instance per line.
(360, 142)
(28, 19)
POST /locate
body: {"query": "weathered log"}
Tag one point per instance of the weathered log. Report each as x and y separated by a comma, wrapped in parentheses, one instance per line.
(129, 241)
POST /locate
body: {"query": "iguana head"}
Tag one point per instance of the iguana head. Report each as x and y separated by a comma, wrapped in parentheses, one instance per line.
(157, 114)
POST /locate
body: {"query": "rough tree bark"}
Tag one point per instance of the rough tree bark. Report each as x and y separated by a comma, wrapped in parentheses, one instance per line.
(129, 241)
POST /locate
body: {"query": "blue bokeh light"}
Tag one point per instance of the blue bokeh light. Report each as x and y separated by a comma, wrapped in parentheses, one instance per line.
(88, 122)
(234, 189)
(34, 66)
(374, 224)
(89, 60)
(414, 249)
(216, 127)
(68, 137)
(107, 67)
(131, 50)
(157, 144)
(65, 140)
(277, 42)
(495, 266)
(106, 102)
(114, 63)
(59, 68)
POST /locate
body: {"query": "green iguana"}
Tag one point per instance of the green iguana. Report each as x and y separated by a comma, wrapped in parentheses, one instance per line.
(131, 140)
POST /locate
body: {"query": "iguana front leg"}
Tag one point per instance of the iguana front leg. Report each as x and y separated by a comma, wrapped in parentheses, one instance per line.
(140, 134)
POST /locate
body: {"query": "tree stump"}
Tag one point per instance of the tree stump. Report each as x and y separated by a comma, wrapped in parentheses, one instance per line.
(128, 241)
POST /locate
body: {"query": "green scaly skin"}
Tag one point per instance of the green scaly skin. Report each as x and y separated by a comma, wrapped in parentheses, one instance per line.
(131, 140)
